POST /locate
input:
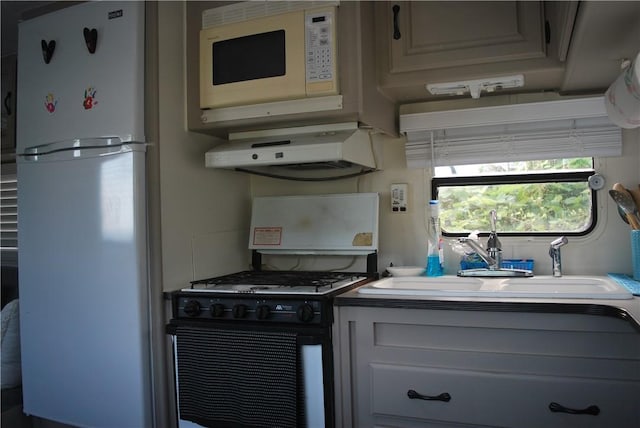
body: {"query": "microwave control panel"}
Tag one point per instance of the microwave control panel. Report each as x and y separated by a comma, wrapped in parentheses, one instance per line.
(320, 47)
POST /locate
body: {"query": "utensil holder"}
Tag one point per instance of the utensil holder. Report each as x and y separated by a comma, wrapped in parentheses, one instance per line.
(635, 253)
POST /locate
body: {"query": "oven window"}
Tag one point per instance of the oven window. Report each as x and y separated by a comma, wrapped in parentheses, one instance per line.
(248, 58)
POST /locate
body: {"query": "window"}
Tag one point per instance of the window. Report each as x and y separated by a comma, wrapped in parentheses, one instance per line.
(9, 215)
(548, 197)
(531, 162)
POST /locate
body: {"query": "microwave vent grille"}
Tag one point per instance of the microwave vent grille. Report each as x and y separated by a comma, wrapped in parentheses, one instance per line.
(248, 10)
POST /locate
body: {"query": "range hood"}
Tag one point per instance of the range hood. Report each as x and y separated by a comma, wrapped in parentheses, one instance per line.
(309, 153)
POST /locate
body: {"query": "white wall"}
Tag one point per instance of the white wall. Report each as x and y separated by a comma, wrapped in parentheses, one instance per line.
(403, 235)
(204, 212)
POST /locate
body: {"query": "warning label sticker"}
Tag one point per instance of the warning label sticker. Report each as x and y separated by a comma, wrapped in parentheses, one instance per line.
(267, 236)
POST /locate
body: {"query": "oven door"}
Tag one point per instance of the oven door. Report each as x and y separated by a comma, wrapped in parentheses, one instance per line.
(231, 375)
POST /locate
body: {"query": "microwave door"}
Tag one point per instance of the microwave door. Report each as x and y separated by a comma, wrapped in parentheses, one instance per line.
(251, 62)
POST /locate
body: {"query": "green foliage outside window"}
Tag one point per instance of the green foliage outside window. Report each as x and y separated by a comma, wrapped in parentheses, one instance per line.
(540, 207)
(527, 207)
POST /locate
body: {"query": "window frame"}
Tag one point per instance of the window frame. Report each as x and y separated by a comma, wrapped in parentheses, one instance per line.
(558, 177)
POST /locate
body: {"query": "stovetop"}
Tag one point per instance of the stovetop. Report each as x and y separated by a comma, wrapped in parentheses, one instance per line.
(278, 282)
(291, 297)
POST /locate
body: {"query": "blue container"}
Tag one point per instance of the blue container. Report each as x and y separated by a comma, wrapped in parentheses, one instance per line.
(464, 264)
(526, 264)
(506, 263)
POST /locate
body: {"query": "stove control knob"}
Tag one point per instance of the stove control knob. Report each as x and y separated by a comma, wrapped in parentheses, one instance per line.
(263, 312)
(217, 310)
(239, 311)
(305, 313)
(192, 308)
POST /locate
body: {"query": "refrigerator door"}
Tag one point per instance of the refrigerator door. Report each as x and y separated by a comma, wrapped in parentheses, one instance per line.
(79, 94)
(83, 284)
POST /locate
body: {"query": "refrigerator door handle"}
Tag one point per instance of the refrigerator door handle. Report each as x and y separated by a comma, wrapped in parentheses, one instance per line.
(82, 147)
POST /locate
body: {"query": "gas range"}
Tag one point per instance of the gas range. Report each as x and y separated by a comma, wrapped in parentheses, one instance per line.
(291, 297)
(264, 333)
(316, 225)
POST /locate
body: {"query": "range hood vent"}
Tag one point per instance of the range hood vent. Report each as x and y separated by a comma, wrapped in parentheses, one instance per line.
(311, 153)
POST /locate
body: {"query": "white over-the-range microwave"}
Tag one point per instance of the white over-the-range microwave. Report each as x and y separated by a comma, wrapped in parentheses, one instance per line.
(258, 52)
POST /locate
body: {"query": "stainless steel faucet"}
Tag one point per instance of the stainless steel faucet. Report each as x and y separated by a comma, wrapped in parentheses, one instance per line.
(492, 255)
(554, 252)
(494, 246)
(484, 255)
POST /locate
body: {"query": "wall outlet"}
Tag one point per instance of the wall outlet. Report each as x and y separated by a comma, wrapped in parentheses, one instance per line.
(399, 196)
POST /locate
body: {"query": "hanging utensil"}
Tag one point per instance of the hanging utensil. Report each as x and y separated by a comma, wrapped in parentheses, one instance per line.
(622, 214)
(635, 194)
(620, 188)
(624, 201)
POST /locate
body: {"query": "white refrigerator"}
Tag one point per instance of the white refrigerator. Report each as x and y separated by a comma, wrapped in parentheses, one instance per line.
(83, 288)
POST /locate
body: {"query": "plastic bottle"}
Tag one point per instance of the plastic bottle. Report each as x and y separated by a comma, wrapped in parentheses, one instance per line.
(435, 252)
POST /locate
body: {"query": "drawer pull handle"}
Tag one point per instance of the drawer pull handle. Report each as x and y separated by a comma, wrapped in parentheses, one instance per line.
(591, 410)
(415, 396)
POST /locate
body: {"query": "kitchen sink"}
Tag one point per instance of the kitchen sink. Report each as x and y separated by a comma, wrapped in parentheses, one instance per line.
(541, 287)
(581, 287)
(424, 285)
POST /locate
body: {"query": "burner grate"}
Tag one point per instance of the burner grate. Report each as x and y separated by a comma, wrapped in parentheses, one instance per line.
(309, 279)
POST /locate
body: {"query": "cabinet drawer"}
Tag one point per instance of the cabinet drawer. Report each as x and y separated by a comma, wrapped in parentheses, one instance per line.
(485, 398)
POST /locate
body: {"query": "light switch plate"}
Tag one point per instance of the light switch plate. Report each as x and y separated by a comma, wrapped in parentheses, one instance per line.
(399, 196)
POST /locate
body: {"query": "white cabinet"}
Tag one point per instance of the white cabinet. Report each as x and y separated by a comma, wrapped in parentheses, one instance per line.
(447, 41)
(424, 368)
(494, 399)
(431, 35)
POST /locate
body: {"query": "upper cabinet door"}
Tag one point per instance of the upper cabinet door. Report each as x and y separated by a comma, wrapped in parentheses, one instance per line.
(430, 35)
(422, 42)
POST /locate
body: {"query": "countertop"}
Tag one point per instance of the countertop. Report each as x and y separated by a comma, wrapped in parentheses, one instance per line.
(628, 310)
